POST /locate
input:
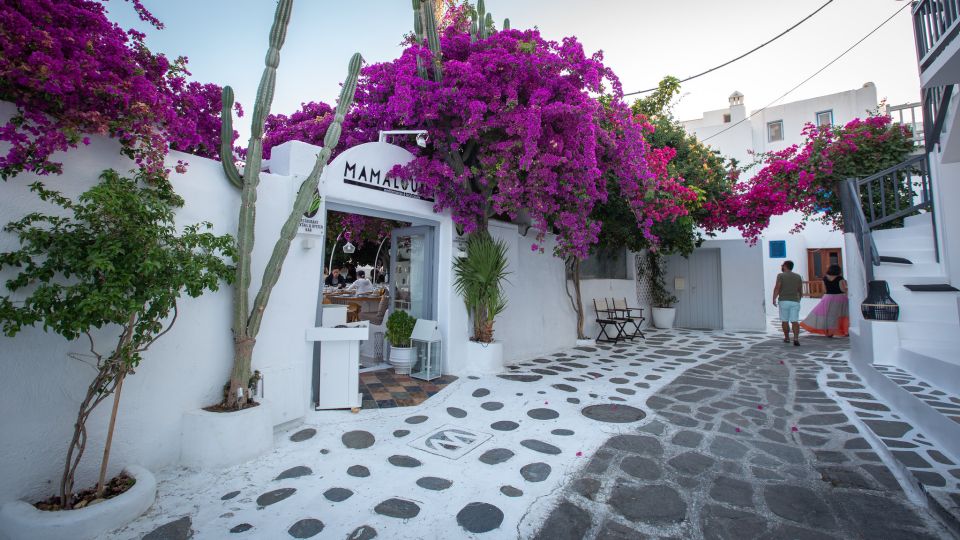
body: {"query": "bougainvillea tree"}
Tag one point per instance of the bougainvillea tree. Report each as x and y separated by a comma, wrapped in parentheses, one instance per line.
(805, 177)
(71, 73)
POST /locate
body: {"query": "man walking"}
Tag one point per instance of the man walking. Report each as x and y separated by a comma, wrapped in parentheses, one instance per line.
(787, 291)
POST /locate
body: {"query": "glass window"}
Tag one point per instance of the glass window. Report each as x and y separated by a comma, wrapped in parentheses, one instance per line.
(726, 119)
(824, 118)
(775, 131)
(607, 264)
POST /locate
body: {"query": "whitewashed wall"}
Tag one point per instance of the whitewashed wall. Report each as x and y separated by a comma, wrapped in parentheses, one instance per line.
(184, 370)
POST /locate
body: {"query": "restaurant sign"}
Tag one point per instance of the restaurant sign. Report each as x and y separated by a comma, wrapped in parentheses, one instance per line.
(311, 220)
(368, 176)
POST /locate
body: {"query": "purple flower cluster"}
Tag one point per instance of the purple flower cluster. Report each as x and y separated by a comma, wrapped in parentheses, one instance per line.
(71, 72)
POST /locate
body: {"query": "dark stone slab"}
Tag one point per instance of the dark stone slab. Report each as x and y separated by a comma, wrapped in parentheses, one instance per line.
(888, 428)
(655, 504)
(543, 414)
(456, 412)
(799, 504)
(479, 517)
(618, 414)
(275, 496)
(844, 477)
(612, 530)
(870, 406)
(641, 467)
(831, 456)
(879, 517)
(690, 439)
(358, 471)
(540, 446)
(404, 461)
(562, 432)
(401, 433)
(363, 532)
(294, 472)
(303, 435)
(565, 387)
(496, 455)
(637, 444)
(707, 383)
(720, 522)
(600, 461)
(358, 440)
(511, 491)
(566, 522)
(823, 419)
(521, 378)
(243, 527)
(732, 491)
(491, 405)
(418, 419)
(480, 392)
(229, 496)
(504, 425)
(535, 472)
(692, 463)
(619, 380)
(337, 494)
(397, 508)
(726, 447)
(179, 529)
(587, 487)
(789, 454)
(930, 478)
(305, 528)
(433, 483)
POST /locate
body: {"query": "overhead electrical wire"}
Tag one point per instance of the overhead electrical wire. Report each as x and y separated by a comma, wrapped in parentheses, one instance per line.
(805, 81)
(744, 55)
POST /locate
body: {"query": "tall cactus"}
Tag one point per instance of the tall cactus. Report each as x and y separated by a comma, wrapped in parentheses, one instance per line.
(246, 321)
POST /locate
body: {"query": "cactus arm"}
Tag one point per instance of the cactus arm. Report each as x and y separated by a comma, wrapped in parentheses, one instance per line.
(489, 24)
(226, 139)
(474, 28)
(418, 34)
(433, 39)
(481, 19)
(506, 24)
(289, 231)
(251, 173)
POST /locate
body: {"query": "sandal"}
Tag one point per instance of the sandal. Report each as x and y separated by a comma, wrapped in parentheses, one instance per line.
(796, 343)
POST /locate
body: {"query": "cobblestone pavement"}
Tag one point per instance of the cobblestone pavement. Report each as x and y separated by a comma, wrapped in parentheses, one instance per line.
(755, 444)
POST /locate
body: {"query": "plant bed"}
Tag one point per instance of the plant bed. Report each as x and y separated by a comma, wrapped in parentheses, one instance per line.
(117, 485)
(133, 492)
(218, 438)
(222, 408)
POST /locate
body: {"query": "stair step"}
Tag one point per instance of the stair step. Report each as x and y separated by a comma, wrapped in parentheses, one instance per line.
(919, 269)
(884, 259)
(917, 311)
(933, 361)
(936, 287)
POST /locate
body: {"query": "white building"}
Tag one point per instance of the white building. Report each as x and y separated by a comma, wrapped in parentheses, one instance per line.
(737, 135)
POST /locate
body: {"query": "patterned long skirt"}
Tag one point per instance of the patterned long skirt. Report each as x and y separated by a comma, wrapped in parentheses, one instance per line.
(830, 317)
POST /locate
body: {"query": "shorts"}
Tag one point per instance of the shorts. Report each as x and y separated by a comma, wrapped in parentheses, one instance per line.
(789, 311)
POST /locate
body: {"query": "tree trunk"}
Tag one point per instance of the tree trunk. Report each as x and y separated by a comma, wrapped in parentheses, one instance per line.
(101, 483)
(578, 299)
(238, 394)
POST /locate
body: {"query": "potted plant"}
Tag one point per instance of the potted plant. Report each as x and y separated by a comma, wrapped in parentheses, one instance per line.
(479, 277)
(399, 328)
(109, 262)
(662, 301)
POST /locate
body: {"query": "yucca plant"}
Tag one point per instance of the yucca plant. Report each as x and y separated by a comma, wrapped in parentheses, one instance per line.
(479, 278)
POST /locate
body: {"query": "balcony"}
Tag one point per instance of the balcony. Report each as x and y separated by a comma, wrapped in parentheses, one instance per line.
(936, 24)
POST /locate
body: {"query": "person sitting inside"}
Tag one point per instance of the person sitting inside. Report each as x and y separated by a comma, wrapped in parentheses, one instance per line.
(362, 284)
(335, 279)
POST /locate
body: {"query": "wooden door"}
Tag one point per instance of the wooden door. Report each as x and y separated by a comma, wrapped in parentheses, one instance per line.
(818, 260)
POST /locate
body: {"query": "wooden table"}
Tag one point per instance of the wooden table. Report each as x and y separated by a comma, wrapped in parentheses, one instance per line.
(368, 304)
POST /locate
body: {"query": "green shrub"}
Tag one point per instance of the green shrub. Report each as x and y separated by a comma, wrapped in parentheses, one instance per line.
(399, 328)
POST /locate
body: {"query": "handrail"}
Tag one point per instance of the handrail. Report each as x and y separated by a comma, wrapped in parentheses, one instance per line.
(935, 22)
(935, 102)
(855, 221)
(908, 163)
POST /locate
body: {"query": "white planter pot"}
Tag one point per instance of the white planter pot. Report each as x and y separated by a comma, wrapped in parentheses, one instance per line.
(213, 440)
(586, 342)
(485, 358)
(20, 520)
(663, 317)
(401, 358)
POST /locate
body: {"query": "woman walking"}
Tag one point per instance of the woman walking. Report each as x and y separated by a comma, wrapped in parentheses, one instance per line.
(830, 317)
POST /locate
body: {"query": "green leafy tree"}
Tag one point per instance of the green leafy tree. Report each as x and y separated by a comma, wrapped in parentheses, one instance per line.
(112, 259)
(479, 278)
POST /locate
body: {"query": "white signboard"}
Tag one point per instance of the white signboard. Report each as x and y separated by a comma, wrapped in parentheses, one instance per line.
(311, 222)
(363, 173)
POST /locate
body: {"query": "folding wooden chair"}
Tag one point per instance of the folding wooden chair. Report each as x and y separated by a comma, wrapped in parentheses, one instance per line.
(633, 315)
(620, 316)
(604, 319)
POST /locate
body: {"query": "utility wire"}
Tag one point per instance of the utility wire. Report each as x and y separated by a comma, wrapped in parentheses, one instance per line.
(805, 81)
(751, 51)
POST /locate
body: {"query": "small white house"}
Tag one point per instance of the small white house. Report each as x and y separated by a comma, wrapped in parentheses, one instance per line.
(743, 137)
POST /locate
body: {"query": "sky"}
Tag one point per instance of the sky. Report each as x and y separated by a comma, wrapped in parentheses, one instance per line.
(642, 41)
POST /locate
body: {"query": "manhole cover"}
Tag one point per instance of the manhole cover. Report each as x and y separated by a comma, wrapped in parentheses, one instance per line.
(450, 441)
